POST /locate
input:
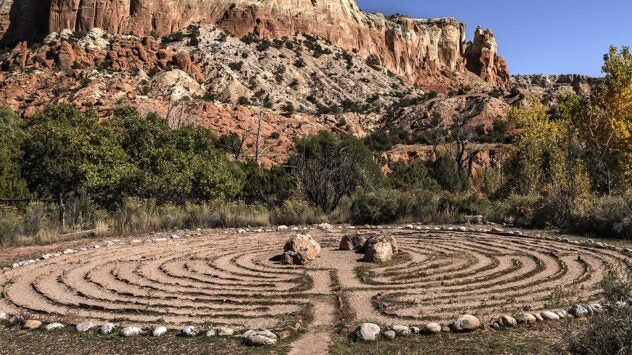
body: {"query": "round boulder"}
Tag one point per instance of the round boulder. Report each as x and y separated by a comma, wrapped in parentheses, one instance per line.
(84, 326)
(367, 332)
(548, 315)
(431, 328)
(401, 329)
(507, 321)
(578, 311)
(131, 331)
(300, 249)
(390, 334)
(465, 323)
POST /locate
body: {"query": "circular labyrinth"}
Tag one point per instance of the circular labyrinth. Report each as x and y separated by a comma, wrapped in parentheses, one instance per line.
(233, 279)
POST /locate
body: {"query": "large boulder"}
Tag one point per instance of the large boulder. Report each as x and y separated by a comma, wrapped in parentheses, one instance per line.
(367, 332)
(465, 323)
(300, 249)
(380, 249)
(349, 242)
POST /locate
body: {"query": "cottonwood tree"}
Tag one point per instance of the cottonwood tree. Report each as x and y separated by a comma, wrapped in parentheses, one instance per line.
(330, 167)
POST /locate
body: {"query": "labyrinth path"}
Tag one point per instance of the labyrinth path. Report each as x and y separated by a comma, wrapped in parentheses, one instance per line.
(225, 278)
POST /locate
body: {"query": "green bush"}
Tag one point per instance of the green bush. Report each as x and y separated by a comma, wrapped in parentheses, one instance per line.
(379, 207)
(296, 212)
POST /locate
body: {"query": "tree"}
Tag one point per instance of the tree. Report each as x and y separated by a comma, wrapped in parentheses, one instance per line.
(12, 185)
(330, 167)
(409, 176)
(605, 121)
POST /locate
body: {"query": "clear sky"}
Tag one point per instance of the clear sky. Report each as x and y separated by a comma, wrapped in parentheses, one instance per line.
(535, 36)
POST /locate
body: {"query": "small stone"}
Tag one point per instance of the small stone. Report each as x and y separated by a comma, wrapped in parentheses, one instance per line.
(54, 326)
(159, 331)
(367, 332)
(401, 329)
(84, 326)
(259, 337)
(525, 318)
(548, 315)
(538, 316)
(596, 307)
(578, 311)
(32, 324)
(561, 313)
(17, 320)
(431, 328)
(107, 328)
(3, 316)
(415, 330)
(465, 323)
(131, 331)
(507, 321)
(220, 331)
(282, 228)
(325, 226)
(189, 331)
(390, 334)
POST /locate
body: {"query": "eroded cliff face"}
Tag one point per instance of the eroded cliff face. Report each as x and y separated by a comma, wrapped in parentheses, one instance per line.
(429, 53)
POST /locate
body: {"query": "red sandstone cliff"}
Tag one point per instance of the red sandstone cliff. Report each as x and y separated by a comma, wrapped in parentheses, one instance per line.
(430, 53)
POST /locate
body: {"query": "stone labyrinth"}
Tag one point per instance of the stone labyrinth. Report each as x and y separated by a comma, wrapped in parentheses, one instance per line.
(225, 278)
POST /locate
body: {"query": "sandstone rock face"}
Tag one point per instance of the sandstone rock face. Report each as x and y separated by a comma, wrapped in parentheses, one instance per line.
(483, 59)
(301, 249)
(418, 50)
(99, 50)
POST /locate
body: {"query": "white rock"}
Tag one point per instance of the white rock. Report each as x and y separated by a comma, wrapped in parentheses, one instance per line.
(131, 331)
(389, 334)
(401, 329)
(507, 321)
(282, 228)
(325, 226)
(84, 326)
(54, 326)
(107, 328)
(259, 337)
(465, 323)
(189, 331)
(548, 315)
(159, 331)
(415, 330)
(3, 316)
(367, 332)
(561, 313)
(578, 311)
(241, 231)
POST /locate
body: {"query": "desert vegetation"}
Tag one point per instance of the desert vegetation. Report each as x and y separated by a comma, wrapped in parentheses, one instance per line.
(132, 173)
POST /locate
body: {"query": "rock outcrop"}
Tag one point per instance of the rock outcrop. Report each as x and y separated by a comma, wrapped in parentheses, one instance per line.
(430, 53)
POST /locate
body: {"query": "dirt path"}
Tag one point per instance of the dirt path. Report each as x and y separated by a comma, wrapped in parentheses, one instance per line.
(319, 335)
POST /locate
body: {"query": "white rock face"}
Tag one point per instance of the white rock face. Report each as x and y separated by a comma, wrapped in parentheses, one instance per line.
(259, 337)
(465, 323)
(159, 331)
(367, 332)
(54, 326)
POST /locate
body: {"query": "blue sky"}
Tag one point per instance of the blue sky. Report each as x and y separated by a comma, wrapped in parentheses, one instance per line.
(535, 36)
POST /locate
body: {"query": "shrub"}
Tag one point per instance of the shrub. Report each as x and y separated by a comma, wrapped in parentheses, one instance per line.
(379, 207)
(609, 216)
(408, 176)
(608, 332)
(296, 212)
